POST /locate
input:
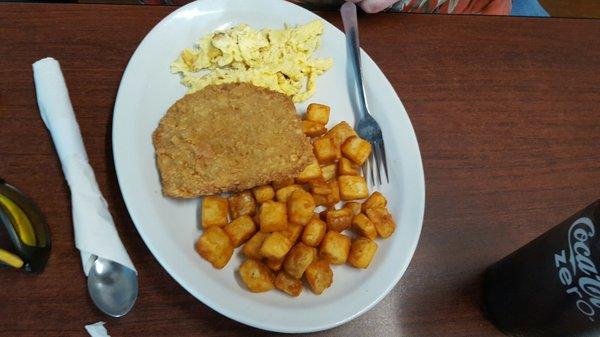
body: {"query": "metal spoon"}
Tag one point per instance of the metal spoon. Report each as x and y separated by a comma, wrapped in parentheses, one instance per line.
(112, 287)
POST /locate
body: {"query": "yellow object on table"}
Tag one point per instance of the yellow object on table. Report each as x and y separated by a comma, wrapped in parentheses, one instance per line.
(10, 259)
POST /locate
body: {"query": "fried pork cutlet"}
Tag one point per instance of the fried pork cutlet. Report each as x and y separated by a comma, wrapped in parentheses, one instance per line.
(227, 138)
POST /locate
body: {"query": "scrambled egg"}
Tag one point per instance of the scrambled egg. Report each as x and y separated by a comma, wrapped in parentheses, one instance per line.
(274, 59)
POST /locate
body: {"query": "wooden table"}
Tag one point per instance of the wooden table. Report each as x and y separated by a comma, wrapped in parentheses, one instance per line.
(506, 110)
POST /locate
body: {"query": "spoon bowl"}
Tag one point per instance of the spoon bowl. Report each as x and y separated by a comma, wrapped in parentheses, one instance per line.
(112, 287)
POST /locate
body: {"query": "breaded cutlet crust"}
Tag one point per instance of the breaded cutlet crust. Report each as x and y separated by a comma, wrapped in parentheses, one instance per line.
(227, 138)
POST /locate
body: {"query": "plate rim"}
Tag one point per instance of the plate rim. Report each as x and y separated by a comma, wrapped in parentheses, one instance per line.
(174, 275)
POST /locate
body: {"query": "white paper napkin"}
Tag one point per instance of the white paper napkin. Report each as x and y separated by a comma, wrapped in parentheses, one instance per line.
(95, 232)
(97, 330)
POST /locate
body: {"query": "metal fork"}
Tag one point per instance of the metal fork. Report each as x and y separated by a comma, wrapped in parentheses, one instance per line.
(366, 126)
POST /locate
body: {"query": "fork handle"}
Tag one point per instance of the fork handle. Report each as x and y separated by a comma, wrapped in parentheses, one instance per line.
(348, 12)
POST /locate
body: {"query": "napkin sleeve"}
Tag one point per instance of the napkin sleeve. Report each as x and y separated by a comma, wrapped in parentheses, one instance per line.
(94, 229)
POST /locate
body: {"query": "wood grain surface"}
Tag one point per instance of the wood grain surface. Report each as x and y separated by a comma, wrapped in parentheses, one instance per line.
(506, 110)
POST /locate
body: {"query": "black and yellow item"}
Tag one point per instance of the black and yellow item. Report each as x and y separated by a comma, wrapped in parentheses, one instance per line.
(28, 233)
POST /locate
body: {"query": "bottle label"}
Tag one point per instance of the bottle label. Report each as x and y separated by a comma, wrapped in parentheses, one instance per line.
(576, 269)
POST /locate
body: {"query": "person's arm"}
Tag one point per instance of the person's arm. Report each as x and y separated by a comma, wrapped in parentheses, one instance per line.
(374, 6)
(490, 7)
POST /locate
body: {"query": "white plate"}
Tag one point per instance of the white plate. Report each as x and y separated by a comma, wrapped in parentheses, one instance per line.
(169, 227)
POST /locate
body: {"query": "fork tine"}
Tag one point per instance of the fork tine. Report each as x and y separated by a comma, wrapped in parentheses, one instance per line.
(379, 150)
(384, 160)
(377, 154)
(370, 168)
(366, 171)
